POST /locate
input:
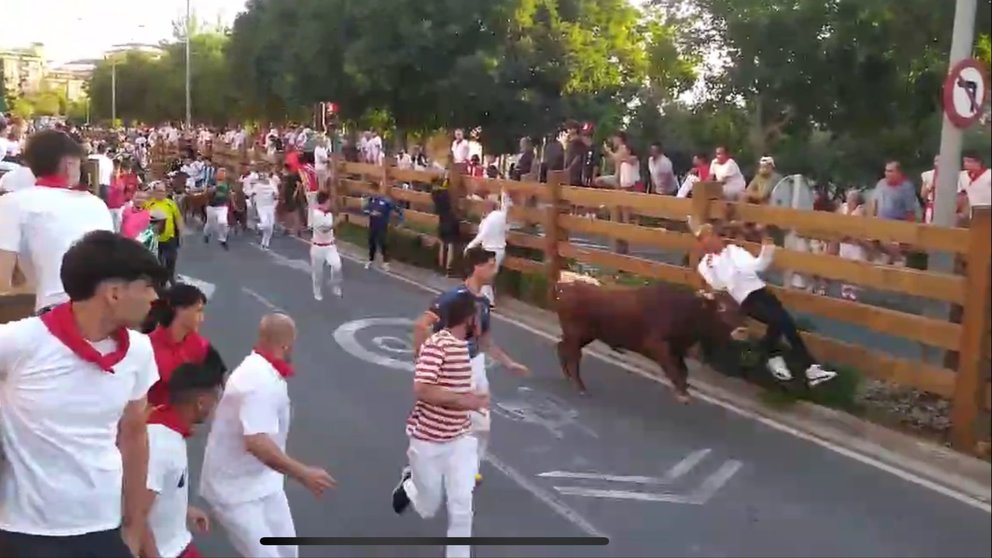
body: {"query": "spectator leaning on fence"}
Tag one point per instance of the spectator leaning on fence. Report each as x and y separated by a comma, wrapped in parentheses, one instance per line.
(761, 186)
(661, 171)
(724, 169)
(975, 180)
(895, 198)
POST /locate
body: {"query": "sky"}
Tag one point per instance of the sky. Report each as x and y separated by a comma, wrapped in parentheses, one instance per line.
(79, 29)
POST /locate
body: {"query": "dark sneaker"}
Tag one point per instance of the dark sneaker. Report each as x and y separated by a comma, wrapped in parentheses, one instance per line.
(224, 244)
(206, 240)
(400, 499)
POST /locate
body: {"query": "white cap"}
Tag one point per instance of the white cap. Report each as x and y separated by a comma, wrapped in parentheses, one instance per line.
(17, 179)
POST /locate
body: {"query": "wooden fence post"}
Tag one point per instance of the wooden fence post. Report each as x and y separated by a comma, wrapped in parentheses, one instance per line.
(552, 233)
(972, 377)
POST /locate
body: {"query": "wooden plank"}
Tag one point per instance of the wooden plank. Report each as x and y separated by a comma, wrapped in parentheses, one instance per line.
(358, 186)
(525, 240)
(637, 266)
(633, 234)
(496, 185)
(412, 196)
(523, 264)
(410, 175)
(420, 217)
(833, 226)
(928, 331)
(363, 168)
(643, 204)
(937, 286)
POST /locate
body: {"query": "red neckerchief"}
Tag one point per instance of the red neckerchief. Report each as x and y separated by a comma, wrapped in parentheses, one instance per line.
(167, 416)
(62, 324)
(282, 367)
(53, 181)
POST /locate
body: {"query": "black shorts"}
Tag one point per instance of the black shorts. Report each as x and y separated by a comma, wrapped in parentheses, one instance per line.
(101, 544)
(449, 232)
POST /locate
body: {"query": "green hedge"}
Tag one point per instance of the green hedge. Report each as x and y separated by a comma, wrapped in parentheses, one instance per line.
(737, 359)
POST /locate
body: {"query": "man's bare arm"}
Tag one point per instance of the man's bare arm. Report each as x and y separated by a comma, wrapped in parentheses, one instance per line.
(8, 263)
(423, 328)
(132, 441)
(265, 450)
(149, 546)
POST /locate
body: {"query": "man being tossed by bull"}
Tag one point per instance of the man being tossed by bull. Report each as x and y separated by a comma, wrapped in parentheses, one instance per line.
(728, 267)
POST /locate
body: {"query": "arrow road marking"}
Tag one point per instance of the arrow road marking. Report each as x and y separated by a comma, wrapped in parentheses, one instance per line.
(206, 287)
(697, 497)
(677, 471)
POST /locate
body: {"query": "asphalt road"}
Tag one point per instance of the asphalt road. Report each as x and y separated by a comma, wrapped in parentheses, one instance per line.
(695, 480)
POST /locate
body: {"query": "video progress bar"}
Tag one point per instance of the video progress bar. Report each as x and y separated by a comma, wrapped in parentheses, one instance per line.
(436, 541)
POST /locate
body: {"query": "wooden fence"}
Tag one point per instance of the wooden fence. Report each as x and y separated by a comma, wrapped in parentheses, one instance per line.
(548, 205)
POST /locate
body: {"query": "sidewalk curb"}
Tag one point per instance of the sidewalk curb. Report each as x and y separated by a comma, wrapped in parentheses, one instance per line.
(956, 475)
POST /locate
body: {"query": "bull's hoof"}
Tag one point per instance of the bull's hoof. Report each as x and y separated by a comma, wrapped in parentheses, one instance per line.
(682, 398)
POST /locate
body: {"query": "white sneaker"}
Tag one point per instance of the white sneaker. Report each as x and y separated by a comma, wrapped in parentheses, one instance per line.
(816, 375)
(778, 368)
(368, 265)
(385, 266)
(336, 291)
(318, 297)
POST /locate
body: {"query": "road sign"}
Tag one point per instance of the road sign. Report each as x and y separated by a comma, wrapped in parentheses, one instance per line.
(696, 496)
(966, 91)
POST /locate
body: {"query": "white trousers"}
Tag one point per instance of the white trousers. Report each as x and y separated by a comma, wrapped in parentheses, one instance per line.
(481, 421)
(216, 223)
(444, 469)
(321, 256)
(246, 523)
(117, 216)
(266, 222)
(487, 290)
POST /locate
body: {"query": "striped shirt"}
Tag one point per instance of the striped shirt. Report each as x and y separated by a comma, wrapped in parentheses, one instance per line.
(443, 362)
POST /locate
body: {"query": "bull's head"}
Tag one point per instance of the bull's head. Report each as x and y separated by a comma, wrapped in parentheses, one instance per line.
(729, 319)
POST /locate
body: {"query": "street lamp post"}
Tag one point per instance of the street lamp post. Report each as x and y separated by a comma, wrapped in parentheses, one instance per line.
(189, 118)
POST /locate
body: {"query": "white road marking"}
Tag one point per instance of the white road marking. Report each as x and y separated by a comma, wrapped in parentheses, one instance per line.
(699, 496)
(676, 472)
(206, 287)
(548, 499)
(262, 300)
(771, 423)
(346, 335)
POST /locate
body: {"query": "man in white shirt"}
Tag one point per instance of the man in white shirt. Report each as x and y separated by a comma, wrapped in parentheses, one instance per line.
(104, 169)
(265, 198)
(72, 408)
(39, 224)
(660, 168)
(461, 151)
(733, 269)
(245, 460)
(724, 170)
(323, 250)
(375, 148)
(194, 391)
(975, 180)
(322, 161)
(491, 235)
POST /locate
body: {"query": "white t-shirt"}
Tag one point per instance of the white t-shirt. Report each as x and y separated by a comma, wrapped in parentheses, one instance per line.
(323, 226)
(266, 194)
(255, 401)
(375, 150)
(41, 223)
(979, 190)
(5, 146)
(168, 477)
(662, 176)
(492, 231)
(735, 184)
(735, 270)
(62, 472)
(461, 151)
(474, 148)
(104, 169)
(17, 179)
(320, 157)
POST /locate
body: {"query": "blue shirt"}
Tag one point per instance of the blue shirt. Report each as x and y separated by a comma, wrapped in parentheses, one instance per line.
(440, 309)
(379, 209)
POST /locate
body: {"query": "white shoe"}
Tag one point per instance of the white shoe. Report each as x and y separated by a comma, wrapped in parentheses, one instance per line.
(318, 297)
(336, 291)
(816, 375)
(778, 368)
(368, 265)
(385, 266)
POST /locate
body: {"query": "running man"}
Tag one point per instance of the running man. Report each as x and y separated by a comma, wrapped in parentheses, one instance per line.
(219, 194)
(323, 250)
(442, 453)
(193, 393)
(482, 269)
(265, 198)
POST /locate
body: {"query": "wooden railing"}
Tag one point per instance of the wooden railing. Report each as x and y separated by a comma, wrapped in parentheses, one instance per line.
(548, 205)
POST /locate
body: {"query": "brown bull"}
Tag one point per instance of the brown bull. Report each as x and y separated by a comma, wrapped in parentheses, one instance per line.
(659, 321)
